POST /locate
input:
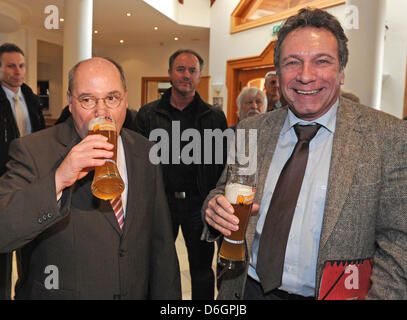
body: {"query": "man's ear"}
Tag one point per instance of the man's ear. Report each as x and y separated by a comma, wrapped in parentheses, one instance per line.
(69, 98)
(342, 77)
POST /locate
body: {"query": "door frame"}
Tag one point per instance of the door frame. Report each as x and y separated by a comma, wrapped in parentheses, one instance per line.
(234, 66)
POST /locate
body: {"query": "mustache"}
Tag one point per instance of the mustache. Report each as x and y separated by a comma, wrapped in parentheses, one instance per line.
(253, 112)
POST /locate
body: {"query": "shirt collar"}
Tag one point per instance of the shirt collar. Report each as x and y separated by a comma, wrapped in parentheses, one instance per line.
(328, 120)
(10, 94)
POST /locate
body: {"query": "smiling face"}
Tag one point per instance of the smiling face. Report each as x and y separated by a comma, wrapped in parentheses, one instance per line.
(310, 76)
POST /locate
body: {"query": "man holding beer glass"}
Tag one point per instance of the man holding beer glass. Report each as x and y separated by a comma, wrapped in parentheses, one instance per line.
(332, 176)
(71, 244)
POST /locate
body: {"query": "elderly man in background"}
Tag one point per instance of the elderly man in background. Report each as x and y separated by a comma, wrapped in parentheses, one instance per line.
(250, 102)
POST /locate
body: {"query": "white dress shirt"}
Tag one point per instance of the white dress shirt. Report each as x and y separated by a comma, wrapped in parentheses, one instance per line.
(303, 241)
(10, 96)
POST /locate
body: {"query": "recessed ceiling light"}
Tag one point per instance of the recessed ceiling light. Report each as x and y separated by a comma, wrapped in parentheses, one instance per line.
(176, 38)
(61, 19)
(128, 14)
(155, 28)
(121, 41)
(95, 32)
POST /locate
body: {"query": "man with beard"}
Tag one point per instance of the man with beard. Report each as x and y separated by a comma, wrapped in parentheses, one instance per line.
(187, 184)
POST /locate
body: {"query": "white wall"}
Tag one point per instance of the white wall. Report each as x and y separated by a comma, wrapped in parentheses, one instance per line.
(148, 61)
(193, 13)
(395, 58)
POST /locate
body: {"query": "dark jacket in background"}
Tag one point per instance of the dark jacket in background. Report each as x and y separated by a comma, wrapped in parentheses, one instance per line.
(155, 115)
(8, 132)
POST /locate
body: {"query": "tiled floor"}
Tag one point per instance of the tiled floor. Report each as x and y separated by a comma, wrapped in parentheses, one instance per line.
(184, 267)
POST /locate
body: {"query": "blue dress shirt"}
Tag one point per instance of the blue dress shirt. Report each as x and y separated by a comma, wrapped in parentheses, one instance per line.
(303, 241)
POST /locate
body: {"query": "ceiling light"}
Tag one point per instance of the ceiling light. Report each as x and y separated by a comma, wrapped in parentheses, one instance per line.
(61, 19)
(155, 28)
(121, 41)
(176, 38)
(128, 14)
(95, 32)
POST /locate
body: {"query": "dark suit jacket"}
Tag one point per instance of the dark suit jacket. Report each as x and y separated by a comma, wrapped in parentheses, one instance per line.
(366, 199)
(9, 132)
(80, 236)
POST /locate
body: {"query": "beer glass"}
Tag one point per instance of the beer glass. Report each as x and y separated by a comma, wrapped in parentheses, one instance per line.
(239, 191)
(107, 183)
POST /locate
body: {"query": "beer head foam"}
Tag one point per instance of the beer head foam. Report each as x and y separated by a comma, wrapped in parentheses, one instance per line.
(234, 191)
(101, 123)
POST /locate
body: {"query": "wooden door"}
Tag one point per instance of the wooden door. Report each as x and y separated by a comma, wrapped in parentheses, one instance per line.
(240, 71)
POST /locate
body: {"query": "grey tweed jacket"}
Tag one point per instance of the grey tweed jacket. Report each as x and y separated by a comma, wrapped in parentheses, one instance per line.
(365, 212)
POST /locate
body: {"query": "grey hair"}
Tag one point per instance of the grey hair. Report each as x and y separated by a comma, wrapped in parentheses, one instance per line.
(269, 74)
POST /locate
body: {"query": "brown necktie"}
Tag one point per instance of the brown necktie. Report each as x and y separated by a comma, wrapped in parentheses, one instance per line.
(20, 117)
(273, 240)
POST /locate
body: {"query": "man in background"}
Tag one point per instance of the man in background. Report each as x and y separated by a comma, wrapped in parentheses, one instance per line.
(20, 114)
(187, 185)
(274, 98)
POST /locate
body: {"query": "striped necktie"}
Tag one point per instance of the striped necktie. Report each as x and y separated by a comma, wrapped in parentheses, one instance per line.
(117, 206)
(20, 116)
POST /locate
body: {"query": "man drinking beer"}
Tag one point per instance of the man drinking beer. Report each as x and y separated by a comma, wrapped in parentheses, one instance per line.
(50, 216)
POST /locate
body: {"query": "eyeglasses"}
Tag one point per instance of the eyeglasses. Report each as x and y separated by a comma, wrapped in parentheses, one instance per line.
(89, 102)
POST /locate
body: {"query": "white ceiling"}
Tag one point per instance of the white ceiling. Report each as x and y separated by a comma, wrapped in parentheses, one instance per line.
(113, 25)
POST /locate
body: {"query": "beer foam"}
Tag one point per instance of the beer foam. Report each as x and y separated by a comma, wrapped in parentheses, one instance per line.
(235, 190)
(101, 123)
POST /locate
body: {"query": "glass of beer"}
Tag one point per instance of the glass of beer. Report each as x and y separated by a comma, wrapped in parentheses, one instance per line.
(107, 183)
(239, 191)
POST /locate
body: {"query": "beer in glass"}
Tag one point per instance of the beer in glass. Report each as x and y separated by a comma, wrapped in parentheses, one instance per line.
(107, 183)
(240, 192)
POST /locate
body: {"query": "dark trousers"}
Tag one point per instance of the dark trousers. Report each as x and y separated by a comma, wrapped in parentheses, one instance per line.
(5, 276)
(254, 291)
(186, 213)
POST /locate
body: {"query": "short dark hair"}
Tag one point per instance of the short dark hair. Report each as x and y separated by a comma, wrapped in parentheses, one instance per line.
(315, 18)
(9, 47)
(180, 51)
(71, 74)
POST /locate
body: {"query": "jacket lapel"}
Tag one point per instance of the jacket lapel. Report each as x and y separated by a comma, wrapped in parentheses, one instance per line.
(346, 148)
(133, 165)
